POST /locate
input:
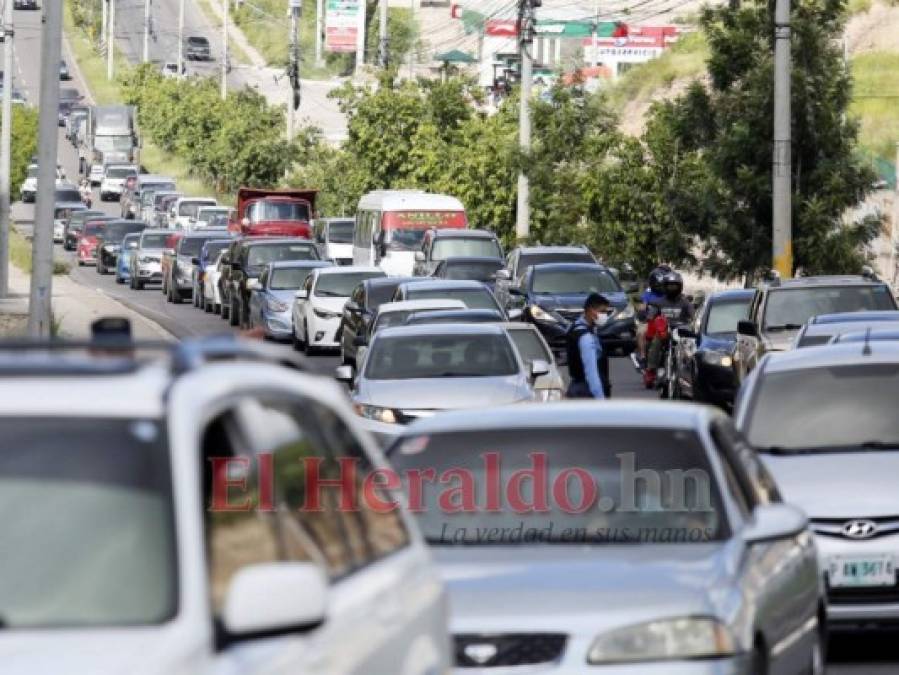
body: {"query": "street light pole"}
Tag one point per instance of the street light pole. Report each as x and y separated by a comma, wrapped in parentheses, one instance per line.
(383, 37)
(6, 147)
(110, 43)
(146, 58)
(525, 40)
(227, 10)
(180, 38)
(782, 235)
(293, 72)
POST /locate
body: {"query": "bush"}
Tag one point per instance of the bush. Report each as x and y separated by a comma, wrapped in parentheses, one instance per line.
(24, 146)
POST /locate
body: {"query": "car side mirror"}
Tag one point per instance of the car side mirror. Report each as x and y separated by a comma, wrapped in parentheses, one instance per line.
(344, 374)
(771, 522)
(503, 275)
(301, 294)
(360, 341)
(420, 256)
(687, 334)
(747, 328)
(194, 261)
(515, 314)
(275, 597)
(539, 367)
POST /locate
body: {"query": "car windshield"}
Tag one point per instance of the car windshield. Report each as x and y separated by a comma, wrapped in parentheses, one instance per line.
(378, 294)
(113, 143)
(68, 195)
(341, 232)
(96, 544)
(214, 247)
(190, 246)
(792, 307)
(449, 247)
(265, 210)
(263, 255)
(32, 172)
(474, 298)
(154, 240)
(189, 209)
(93, 229)
(289, 278)
(528, 260)
(723, 316)
(482, 270)
(565, 282)
(427, 356)
(120, 172)
(63, 213)
(840, 407)
(656, 486)
(530, 346)
(130, 241)
(115, 232)
(340, 285)
(198, 41)
(213, 217)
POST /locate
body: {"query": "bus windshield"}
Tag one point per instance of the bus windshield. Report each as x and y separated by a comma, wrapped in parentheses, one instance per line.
(406, 229)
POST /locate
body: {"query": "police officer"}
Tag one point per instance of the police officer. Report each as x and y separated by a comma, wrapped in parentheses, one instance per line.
(589, 379)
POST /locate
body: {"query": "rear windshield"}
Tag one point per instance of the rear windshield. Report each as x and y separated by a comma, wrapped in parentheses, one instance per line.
(341, 232)
(723, 316)
(573, 281)
(154, 240)
(440, 356)
(480, 270)
(791, 308)
(530, 259)
(290, 279)
(120, 172)
(189, 209)
(264, 210)
(191, 246)
(529, 345)
(68, 196)
(214, 247)
(474, 298)
(115, 232)
(93, 229)
(263, 255)
(461, 246)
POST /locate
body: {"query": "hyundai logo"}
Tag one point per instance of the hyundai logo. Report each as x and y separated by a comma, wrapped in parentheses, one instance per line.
(860, 529)
(480, 653)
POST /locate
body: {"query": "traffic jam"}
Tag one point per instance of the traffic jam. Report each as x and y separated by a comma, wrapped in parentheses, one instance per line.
(465, 491)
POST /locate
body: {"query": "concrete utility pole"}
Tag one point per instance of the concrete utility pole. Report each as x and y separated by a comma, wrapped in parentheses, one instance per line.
(525, 41)
(6, 147)
(104, 20)
(319, 31)
(180, 38)
(226, 6)
(39, 309)
(383, 37)
(782, 236)
(110, 43)
(146, 58)
(413, 47)
(293, 71)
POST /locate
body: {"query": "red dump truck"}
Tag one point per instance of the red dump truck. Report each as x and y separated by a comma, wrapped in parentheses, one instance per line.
(274, 213)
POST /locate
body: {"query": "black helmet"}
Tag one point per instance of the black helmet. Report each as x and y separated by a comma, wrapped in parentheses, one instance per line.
(672, 285)
(655, 278)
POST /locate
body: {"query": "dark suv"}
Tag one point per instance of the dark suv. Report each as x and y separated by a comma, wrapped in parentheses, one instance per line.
(779, 309)
(196, 48)
(522, 257)
(440, 244)
(247, 259)
(109, 242)
(180, 282)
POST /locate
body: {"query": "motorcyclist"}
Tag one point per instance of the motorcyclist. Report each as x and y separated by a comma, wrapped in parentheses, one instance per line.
(652, 293)
(677, 311)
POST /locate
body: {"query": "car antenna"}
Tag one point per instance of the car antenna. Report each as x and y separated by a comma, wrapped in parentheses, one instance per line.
(866, 350)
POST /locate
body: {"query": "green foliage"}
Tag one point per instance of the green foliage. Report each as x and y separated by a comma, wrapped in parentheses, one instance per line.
(23, 146)
(400, 34)
(874, 101)
(228, 143)
(724, 132)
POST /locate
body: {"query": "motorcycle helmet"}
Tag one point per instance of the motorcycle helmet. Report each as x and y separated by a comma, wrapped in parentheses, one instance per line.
(672, 285)
(656, 277)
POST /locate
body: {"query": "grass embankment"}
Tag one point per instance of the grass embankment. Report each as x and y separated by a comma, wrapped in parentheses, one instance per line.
(103, 91)
(876, 101)
(686, 59)
(237, 54)
(20, 254)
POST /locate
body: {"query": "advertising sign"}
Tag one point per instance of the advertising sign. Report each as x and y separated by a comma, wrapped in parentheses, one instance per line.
(343, 24)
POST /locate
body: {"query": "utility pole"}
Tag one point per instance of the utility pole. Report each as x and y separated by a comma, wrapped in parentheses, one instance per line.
(412, 48)
(319, 31)
(39, 309)
(293, 71)
(227, 9)
(146, 58)
(110, 43)
(525, 41)
(104, 20)
(6, 147)
(180, 38)
(595, 60)
(383, 38)
(782, 236)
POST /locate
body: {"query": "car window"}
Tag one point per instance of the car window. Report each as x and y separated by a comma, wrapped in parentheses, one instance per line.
(432, 356)
(560, 282)
(474, 298)
(795, 306)
(448, 247)
(530, 346)
(262, 255)
(471, 270)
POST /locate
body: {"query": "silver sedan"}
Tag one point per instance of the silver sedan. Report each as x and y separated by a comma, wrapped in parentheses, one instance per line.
(625, 537)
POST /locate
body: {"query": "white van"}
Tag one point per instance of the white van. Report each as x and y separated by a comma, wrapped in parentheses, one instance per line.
(335, 238)
(390, 226)
(184, 211)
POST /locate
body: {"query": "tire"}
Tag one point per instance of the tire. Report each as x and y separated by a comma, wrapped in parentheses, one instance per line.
(223, 311)
(208, 307)
(233, 313)
(195, 297)
(307, 346)
(216, 308)
(297, 345)
(119, 279)
(80, 263)
(174, 294)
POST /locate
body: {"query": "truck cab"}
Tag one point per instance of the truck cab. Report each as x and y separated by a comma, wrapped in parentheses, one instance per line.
(274, 213)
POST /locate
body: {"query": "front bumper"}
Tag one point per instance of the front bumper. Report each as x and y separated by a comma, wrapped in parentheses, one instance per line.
(87, 255)
(323, 332)
(149, 271)
(385, 434)
(278, 325)
(735, 665)
(717, 383)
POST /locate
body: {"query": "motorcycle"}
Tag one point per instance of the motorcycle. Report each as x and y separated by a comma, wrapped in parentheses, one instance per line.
(664, 379)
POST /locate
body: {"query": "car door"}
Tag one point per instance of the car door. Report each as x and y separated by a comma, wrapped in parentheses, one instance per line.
(352, 318)
(686, 354)
(257, 298)
(302, 306)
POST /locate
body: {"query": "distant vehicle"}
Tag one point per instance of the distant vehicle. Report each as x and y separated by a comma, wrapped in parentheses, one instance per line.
(360, 310)
(819, 330)
(109, 242)
(335, 237)
(146, 260)
(67, 192)
(113, 135)
(170, 69)
(318, 307)
(179, 283)
(391, 314)
(113, 182)
(202, 263)
(183, 213)
(123, 264)
(274, 213)
(212, 216)
(212, 297)
(96, 174)
(87, 240)
(481, 269)
(62, 211)
(156, 205)
(28, 189)
(474, 294)
(532, 347)
(25, 4)
(465, 315)
(271, 305)
(64, 71)
(391, 225)
(18, 98)
(440, 244)
(132, 199)
(700, 561)
(520, 259)
(196, 48)
(74, 225)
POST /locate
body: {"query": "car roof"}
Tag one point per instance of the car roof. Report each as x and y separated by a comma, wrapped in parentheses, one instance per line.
(70, 205)
(340, 269)
(828, 356)
(553, 249)
(432, 329)
(445, 284)
(472, 258)
(300, 264)
(405, 200)
(566, 267)
(879, 332)
(460, 314)
(389, 281)
(849, 317)
(823, 281)
(813, 329)
(263, 241)
(732, 294)
(420, 305)
(442, 232)
(635, 413)
(199, 199)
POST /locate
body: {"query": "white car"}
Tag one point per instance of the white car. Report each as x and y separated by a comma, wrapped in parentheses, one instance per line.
(183, 214)
(170, 69)
(28, 189)
(212, 216)
(96, 174)
(61, 213)
(318, 306)
(113, 182)
(152, 571)
(211, 292)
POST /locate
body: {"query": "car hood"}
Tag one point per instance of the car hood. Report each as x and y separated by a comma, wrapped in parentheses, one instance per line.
(779, 341)
(330, 304)
(444, 393)
(839, 485)
(101, 652)
(575, 301)
(723, 343)
(286, 297)
(578, 588)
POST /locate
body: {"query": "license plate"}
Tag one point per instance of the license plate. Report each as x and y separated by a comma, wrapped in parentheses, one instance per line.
(873, 570)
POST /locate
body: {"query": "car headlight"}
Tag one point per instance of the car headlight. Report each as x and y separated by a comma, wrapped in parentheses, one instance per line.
(273, 305)
(666, 639)
(625, 313)
(325, 314)
(718, 359)
(548, 395)
(537, 312)
(376, 413)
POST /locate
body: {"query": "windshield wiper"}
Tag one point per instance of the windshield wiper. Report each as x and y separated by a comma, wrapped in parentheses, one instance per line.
(785, 326)
(872, 446)
(880, 445)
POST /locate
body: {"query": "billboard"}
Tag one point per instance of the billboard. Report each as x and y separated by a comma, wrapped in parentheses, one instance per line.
(344, 25)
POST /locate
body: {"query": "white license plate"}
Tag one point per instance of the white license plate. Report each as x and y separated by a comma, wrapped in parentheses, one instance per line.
(873, 570)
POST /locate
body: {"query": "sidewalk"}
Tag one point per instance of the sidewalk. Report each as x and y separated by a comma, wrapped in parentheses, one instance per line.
(75, 307)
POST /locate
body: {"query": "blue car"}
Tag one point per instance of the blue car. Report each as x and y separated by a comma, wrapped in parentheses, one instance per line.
(208, 255)
(704, 350)
(123, 264)
(551, 296)
(271, 303)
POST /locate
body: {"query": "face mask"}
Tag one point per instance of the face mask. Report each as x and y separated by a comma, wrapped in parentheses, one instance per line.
(600, 319)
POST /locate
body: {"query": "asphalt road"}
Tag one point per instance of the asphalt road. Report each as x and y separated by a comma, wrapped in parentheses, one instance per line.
(864, 653)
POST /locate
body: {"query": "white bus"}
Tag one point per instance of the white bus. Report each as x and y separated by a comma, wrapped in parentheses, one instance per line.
(390, 226)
